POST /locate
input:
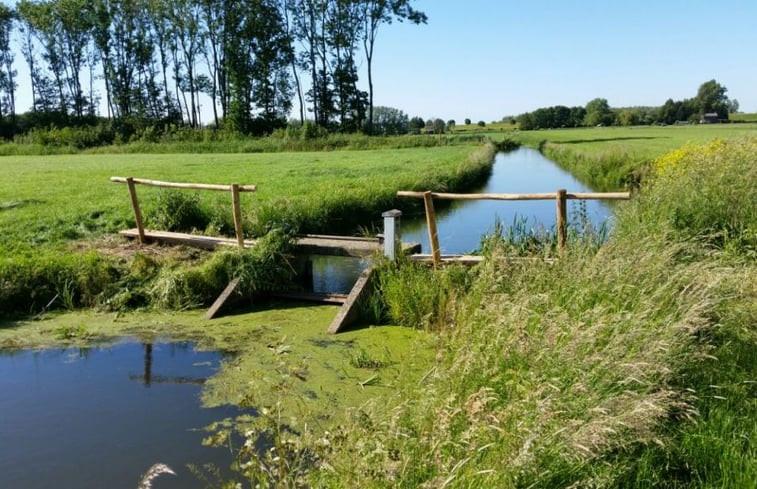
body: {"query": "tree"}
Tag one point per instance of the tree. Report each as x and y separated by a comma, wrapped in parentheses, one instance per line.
(257, 60)
(628, 117)
(7, 73)
(467, 121)
(733, 106)
(416, 125)
(481, 124)
(711, 98)
(451, 125)
(598, 112)
(344, 24)
(375, 13)
(389, 121)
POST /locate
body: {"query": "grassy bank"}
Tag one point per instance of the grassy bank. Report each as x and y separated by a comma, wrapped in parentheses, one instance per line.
(632, 366)
(51, 205)
(612, 158)
(72, 140)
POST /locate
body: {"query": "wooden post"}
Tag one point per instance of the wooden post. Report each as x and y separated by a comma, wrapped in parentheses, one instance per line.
(433, 236)
(137, 212)
(392, 237)
(237, 213)
(562, 218)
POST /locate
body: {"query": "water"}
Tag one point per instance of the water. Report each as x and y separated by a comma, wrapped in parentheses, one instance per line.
(100, 417)
(462, 224)
(336, 274)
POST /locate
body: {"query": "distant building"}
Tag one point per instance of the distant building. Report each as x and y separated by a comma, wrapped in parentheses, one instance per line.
(709, 118)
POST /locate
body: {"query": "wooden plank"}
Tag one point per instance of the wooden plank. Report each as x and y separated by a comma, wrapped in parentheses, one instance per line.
(348, 314)
(312, 246)
(137, 211)
(193, 186)
(366, 239)
(533, 196)
(562, 218)
(598, 195)
(221, 301)
(204, 242)
(338, 246)
(236, 212)
(311, 297)
(433, 235)
(462, 259)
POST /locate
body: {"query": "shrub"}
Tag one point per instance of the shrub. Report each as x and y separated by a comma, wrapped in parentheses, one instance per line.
(179, 211)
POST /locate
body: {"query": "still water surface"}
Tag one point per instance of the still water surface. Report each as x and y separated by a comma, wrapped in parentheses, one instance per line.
(101, 417)
(462, 224)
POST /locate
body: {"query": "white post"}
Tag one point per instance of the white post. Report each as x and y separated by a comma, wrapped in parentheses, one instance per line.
(392, 237)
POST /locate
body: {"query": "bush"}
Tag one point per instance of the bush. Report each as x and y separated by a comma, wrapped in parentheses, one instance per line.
(179, 211)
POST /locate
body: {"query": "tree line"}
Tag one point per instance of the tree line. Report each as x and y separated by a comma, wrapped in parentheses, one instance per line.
(710, 100)
(156, 58)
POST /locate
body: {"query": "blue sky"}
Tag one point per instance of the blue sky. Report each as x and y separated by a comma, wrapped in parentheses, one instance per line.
(485, 59)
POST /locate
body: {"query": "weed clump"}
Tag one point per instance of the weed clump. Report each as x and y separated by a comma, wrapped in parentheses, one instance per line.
(265, 267)
(179, 211)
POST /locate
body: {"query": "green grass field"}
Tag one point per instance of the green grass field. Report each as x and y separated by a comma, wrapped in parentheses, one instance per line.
(641, 141)
(52, 209)
(54, 199)
(743, 117)
(644, 141)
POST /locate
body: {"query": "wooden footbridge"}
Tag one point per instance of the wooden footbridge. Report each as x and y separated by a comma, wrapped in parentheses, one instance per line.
(390, 243)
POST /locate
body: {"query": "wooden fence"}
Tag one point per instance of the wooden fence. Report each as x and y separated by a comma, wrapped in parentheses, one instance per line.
(234, 189)
(561, 197)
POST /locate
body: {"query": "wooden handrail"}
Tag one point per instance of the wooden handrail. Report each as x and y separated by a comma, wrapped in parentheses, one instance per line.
(560, 197)
(191, 186)
(538, 196)
(234, 189)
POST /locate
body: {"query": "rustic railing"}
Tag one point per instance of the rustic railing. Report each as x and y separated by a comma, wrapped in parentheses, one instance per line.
(561, 197)
(234, 189)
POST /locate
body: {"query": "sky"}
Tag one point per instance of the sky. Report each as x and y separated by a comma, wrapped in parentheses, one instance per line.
(487, 59)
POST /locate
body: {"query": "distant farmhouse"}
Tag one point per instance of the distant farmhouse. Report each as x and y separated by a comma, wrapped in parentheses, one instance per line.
(710, 118)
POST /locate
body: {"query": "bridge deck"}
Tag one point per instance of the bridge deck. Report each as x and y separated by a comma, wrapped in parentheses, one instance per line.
(309, 244)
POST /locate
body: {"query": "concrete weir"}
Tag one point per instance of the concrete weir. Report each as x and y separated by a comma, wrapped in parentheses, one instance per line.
(308, 244)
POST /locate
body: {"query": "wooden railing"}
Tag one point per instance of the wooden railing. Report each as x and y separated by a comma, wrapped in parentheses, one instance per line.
(234, 188)
(561, 196)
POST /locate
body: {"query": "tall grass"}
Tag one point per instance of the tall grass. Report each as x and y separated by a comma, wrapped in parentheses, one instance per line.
(606, 171)
(96, 141)
(627, 366)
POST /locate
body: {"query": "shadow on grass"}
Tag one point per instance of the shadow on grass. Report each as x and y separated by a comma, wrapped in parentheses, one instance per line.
(604, 140)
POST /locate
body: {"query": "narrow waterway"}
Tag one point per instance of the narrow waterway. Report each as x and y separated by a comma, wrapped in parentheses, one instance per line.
(462, 224)
(100, 417)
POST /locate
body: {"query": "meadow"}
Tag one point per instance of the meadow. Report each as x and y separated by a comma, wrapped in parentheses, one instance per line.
(50, 203)
(625, 365)
(635, 141)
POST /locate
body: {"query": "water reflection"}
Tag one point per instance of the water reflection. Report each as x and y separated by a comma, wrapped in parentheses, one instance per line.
(336, 274)
(84, 419)
(462, 224)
